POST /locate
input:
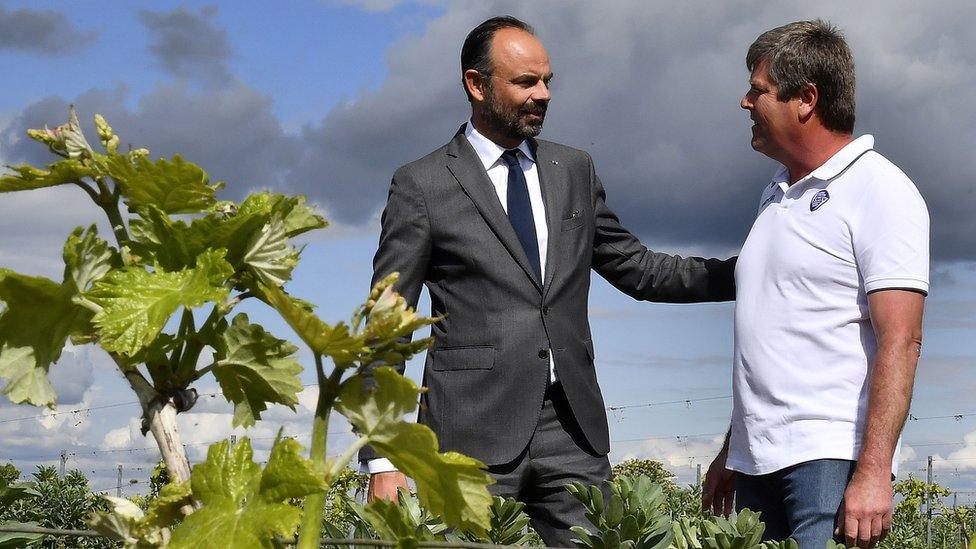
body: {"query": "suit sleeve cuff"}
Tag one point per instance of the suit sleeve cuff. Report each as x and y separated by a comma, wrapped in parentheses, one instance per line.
(378, 465)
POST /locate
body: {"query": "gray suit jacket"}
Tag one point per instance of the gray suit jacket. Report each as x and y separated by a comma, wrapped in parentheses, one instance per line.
(487, 371)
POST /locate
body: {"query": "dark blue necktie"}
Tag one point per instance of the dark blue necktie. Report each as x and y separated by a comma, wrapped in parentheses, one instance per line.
(520, 210)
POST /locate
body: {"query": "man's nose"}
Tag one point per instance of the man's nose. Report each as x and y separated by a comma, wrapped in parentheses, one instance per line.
(542, 92)
(745, 103)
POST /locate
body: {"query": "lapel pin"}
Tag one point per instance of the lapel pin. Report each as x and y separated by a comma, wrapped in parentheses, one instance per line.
(554, 162)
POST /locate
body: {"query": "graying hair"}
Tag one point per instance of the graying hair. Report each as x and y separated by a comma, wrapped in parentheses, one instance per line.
(810, 52)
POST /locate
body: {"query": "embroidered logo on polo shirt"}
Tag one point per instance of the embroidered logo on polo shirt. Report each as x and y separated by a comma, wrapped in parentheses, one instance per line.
(819, 199)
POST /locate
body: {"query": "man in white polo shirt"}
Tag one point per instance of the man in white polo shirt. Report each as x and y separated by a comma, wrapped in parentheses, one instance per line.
(830, 289)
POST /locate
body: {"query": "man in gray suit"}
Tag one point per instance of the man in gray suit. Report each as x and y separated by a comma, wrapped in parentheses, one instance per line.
(504, 229)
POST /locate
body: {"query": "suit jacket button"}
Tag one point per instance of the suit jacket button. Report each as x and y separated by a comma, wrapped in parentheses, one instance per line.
(545, 310)
(543, 353)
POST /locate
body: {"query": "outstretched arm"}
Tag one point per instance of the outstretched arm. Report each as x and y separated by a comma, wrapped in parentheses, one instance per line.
(643, 274)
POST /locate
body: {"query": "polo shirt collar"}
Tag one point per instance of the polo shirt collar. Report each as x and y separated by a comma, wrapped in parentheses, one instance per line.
(843, 158)
(487, 150)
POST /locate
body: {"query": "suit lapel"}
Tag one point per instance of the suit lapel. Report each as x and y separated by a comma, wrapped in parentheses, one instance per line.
(551, 179)
(467, 169)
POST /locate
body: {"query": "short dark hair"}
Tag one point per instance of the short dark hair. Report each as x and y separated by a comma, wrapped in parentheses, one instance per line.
(810, 52)
(476, 51)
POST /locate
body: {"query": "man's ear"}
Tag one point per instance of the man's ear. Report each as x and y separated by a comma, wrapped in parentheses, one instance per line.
(808, 97)
(474, 81)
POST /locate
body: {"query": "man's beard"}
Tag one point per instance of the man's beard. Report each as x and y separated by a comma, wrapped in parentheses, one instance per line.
(509, 122)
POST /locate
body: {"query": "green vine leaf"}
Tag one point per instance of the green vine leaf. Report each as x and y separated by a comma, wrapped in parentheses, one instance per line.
(244, 506)
(88, 258)
(173, 186)
(38, 317)
(136, 303)
(450, 485)
(334, 341)
(292, 210)
(269, 256)
(255, 368)
(28, 177)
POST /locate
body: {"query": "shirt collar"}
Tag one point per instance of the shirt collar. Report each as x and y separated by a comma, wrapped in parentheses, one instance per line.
(843, 158)
(487, 150)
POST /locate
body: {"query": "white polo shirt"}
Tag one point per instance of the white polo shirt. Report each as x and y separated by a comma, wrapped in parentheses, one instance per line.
(804, 343)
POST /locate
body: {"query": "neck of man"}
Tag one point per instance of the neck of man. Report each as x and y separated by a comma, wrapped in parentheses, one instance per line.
(484, 128)
(812, 149)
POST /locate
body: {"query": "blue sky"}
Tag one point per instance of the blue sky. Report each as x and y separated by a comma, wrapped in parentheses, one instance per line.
(327, 98)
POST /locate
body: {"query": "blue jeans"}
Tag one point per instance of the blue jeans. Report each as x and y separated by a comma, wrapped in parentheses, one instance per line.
(800, 501)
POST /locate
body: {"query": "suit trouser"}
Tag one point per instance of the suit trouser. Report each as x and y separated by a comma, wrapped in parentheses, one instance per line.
(557, 454)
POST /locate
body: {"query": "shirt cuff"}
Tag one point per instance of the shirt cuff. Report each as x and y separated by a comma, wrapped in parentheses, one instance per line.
(378, 465)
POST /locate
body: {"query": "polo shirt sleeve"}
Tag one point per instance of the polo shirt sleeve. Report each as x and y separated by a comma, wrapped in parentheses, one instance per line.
(891, 236)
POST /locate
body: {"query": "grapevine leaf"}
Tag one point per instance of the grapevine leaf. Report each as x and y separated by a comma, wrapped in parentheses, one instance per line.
(289, 475)
(137, 303)
(173, 186)
(240, 507)
(255, 368)
(164, 509)
(269, 256)
(171, 244)
(37, 318)
(297, 217)
(450, 485)
(87, 258)
(334, 341)
(59, 173)
(126, 522)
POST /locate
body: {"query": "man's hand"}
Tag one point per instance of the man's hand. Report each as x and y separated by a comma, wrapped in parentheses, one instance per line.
(865, 513)
(384, 486)
(718, 493)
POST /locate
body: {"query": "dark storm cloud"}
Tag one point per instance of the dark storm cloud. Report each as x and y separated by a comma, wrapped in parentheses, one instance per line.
(230, 131)
(41, 32)
(189, 46)
(653, 91)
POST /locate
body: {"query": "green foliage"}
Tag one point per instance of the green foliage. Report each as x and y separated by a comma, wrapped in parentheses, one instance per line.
(949, 527)
(509, 525)
(11, 493)
(450, 485)
(38, 318)
(653, 470)
(217, 253)
(632, 517)
(136, 303)
(29, 178)
(255, 368)
(406, 522)
(57, 502)
(678, 501)
(339, 516)
(243, 504)
(744, 532)
(175, 187)
(377, 333)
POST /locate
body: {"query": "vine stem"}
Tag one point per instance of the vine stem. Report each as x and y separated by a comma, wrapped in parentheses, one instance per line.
(311, 528)
(159, 413)
(161, 416)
